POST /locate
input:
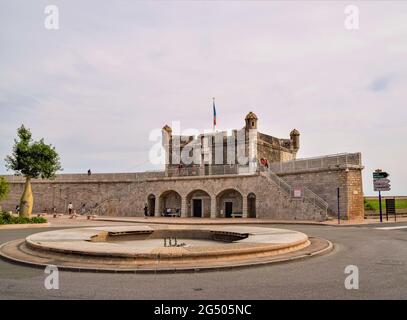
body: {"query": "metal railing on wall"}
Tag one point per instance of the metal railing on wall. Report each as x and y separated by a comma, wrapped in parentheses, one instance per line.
(330, 161)
(94, 177)
(211, 170)
(306, 194)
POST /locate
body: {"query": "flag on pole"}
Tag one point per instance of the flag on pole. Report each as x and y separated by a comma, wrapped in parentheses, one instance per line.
(214, 113)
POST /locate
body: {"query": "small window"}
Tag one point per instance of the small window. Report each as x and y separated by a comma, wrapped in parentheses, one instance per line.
(252, 123)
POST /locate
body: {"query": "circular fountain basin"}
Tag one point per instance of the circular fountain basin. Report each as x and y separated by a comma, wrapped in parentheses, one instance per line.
(147, 248)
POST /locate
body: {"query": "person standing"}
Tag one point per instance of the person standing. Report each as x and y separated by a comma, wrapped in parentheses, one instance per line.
(83, 209)
(145, 210)
(70, 207)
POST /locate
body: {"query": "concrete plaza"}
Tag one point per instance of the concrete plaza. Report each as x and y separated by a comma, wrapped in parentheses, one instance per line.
(380, 254)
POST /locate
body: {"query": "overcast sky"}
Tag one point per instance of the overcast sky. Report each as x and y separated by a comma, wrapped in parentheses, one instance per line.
(116, 70)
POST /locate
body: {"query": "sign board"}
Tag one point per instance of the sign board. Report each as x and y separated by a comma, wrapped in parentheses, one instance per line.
(382, 188)
(380, 181)
(390, 206)
(297, 192)
(381, 185)
(380, 174)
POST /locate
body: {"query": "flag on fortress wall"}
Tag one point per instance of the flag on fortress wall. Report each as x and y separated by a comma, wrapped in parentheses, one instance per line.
(214, 112)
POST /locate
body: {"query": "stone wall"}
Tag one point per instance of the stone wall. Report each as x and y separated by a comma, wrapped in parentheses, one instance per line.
(324, 182)
(126, 194)
(78, 189)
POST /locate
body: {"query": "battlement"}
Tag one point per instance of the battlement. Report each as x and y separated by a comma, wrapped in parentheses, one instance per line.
(244, 147)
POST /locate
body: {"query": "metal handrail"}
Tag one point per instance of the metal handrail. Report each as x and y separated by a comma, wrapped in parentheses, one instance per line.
(308, 195)
(280, 182)
(317, 162)
(315, 199)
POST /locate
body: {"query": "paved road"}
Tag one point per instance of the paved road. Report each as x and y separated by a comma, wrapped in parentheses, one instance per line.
(381, 256)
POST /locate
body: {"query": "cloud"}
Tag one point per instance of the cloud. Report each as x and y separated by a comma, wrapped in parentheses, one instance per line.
(380, 84)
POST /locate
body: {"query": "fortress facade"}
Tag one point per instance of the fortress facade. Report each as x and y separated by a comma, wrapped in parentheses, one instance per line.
(215, 175)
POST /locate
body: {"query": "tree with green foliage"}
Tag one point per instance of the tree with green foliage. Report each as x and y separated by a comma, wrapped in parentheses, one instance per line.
(31, 159)
(4, 190)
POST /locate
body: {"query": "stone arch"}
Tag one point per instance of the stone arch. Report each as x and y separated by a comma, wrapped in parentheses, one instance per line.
(151, 203)
(251, 205)
(229, 202)
(198, 204)
(169, 199)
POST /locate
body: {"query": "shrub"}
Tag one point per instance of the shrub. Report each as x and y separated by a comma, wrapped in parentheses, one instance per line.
(368, 205)
(7, 218)
(38, 220)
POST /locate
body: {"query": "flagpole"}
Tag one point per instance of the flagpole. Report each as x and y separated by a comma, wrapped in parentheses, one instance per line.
(214, 116)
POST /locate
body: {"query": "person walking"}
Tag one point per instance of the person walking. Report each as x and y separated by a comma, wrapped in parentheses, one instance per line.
(145, 210)
(83, 209)
(70, 207)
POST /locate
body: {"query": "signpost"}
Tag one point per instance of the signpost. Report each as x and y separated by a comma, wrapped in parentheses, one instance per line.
(381, 183)
(339, 212)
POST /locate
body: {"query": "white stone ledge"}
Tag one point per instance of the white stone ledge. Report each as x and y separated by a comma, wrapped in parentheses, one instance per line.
(223, 176)
(75, 182)
(316, 170)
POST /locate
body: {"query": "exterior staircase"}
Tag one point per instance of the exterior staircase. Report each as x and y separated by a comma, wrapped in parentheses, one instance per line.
(308, 203)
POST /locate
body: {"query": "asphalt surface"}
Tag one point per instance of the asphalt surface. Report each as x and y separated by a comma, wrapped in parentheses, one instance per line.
(380, 255)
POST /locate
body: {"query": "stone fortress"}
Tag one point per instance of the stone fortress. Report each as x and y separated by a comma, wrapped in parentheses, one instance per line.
(215, 175)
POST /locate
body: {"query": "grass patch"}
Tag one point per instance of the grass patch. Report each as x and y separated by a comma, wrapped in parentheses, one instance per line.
(7, 218)
(373, 204)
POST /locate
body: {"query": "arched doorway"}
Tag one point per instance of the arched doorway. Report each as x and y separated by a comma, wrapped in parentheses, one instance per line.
(229, 203)
(151, 204)
(251, 205)
(199, 204)
(170, 203)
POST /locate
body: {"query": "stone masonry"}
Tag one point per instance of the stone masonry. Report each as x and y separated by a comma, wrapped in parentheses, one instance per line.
(127, 194)
(271, 184)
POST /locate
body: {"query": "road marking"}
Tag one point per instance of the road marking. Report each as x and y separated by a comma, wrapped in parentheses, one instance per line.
(392, 228)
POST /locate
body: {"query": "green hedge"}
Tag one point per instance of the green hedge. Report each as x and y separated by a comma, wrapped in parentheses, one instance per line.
(373, 204)
(7, 218)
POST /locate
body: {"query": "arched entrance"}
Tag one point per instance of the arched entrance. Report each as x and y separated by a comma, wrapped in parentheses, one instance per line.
(229, 203)
(198, 204)
(151, 204)
(170, 203)
(251, 205)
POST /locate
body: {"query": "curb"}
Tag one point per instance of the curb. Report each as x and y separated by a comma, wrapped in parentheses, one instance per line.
(313, 223)
(24, 226)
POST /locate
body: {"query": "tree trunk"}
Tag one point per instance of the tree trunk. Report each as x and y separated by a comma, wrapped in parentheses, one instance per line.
(26, 202)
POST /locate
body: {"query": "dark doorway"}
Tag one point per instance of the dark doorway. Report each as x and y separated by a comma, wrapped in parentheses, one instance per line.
(151, 205)
(251, 206)
(197, 208)
(228, 209)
